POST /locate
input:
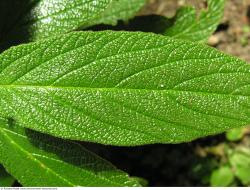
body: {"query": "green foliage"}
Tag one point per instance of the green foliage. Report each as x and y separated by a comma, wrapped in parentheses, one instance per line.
(116, 88)
(245, 37)
(149, 87)
(230, 158)
(187, 25)
(43, 18)
(143, 182)
(29, 20)
(240, 162)
(235, 134)
(222, 177)
(6, 180)
(119, 10)
(54, 162)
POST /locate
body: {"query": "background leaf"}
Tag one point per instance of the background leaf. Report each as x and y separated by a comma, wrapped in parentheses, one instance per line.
(222, 177)
(235, 134)
(240, 162)
(6, 180)
(124, 88)
(187, 25)
(47, 161)
(119, 10)
(28, 20)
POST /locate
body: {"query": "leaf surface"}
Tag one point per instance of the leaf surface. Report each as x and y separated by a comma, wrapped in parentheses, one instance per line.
(119, 10)
(187, 25)
(123, 88)
(54, 162)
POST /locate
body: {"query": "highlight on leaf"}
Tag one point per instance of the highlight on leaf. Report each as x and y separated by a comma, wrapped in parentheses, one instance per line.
(29, 20)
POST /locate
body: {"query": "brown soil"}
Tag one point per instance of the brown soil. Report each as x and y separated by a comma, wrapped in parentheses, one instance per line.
(233, 34)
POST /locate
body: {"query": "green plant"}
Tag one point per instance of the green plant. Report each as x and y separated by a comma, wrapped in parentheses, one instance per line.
(226, 163)
(109, 87)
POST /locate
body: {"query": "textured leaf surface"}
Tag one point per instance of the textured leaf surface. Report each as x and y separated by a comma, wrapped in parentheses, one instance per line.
(34, 19)
(54, 162)
(187, 25)
(124, 88)
(119, 10)
(6, 180)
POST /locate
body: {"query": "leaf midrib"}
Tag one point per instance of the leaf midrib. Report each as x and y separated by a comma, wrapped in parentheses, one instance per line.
(26, 86)
(31, 157)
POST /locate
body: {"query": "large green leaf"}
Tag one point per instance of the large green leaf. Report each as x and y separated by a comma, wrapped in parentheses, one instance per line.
(38, 160)
(27, 20)
(187, 25)
(123, 88)
(119, 10)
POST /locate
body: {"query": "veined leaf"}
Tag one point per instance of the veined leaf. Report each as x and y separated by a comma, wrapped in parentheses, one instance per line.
(123, 88)
(34, 19)
(54, 162)
(119, 10)
(187, 26)
(6, 180)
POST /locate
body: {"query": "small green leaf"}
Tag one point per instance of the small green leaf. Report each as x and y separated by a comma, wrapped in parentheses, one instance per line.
(222, 177)
(38, 160)
(6, 180)
(123, 88)
(235, 134)
(119, 10)
(187, 26)
(241, 165)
